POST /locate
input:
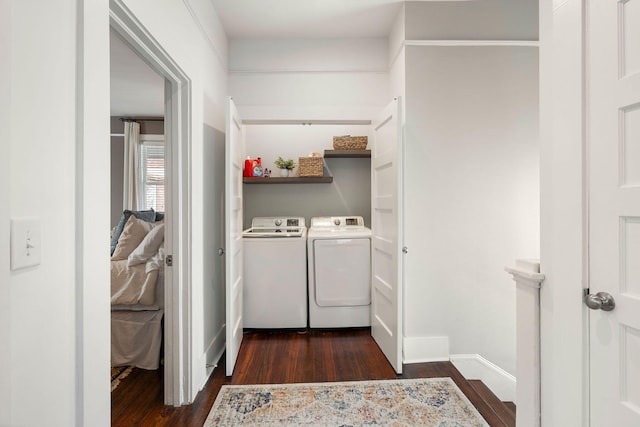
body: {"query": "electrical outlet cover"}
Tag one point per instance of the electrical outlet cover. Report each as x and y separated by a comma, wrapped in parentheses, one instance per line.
(25, 242)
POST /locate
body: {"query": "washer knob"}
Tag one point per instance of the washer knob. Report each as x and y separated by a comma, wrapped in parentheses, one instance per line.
(278, 222)
(336, 221)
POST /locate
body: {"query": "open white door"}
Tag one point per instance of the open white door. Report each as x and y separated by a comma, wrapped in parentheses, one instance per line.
(234, 149)
(386, 226)
(614, 211)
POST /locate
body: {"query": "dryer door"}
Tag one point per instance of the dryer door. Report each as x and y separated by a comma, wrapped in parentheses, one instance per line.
(342, 272)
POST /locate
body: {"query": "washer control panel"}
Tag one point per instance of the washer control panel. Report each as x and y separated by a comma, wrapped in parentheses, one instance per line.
(280, 221)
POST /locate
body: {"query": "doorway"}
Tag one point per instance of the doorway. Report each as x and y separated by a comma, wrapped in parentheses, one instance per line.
(386, 214)
(177, 278)
(137, 98)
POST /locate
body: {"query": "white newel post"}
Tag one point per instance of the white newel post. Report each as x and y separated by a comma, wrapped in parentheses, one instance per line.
(528, 280)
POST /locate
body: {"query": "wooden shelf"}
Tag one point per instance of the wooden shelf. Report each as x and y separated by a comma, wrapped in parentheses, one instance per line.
(290, 180)
(351, 154)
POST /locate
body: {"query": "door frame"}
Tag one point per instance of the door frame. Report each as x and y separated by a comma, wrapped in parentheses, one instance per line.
(564, 213)
(177, 310)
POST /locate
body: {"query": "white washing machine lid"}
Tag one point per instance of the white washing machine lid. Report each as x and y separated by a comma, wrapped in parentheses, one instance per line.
(258, 232)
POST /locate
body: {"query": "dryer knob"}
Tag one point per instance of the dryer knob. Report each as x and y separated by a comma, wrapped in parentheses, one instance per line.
(278, 222)
(336, 221)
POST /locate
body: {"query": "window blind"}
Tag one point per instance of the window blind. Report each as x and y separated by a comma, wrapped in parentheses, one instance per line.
(152, 175)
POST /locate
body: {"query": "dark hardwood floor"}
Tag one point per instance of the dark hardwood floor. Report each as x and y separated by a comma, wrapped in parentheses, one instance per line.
(290, 357)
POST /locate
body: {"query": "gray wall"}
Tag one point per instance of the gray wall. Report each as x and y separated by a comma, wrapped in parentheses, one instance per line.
(5, 196)
(117, 168)
(117, 160)
(477, 20)
(348, 194)
(213, 302)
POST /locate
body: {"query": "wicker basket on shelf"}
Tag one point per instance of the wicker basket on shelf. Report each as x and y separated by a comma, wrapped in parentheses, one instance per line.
(348, 142)
(310, 166)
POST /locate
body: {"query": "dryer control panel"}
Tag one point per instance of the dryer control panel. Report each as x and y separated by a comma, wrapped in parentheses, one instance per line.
(337, 221)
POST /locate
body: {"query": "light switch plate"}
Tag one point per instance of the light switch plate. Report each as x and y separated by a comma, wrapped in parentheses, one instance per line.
(25, 242)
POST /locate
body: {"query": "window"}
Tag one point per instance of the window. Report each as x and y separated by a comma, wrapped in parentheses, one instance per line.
(151, 194)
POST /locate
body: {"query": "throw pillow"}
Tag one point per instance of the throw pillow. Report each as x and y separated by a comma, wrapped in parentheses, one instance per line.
(148, 216)
(148, 248)
(133, 233)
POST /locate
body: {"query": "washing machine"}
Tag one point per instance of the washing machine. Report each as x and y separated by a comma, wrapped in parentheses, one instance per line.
(275, 273)
(339, 268)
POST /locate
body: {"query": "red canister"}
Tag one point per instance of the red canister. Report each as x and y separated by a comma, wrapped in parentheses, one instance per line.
(248, 167)
(252, 167)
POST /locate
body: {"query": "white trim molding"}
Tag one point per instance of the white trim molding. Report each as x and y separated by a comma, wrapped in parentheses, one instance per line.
(463, 43)
(528, 279)
(309, 71)
(476, 367)
(213, 353)
(425, 349)
(221, 57)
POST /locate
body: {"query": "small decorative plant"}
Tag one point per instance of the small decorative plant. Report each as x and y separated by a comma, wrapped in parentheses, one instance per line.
(288, 164)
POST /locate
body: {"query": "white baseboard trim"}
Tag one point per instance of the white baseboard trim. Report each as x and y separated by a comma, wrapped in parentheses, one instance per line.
(213, 353)
(476, 367)
(425, 349)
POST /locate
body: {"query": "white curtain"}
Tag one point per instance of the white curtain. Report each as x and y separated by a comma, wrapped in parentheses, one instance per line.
(131, 172)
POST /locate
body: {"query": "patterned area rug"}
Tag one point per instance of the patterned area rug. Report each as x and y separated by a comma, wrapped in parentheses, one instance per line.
(118, 373)
(424, 402)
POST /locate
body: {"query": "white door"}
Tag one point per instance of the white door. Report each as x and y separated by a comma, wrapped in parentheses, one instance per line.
(386, 226)
(234, 149)
(613, 117)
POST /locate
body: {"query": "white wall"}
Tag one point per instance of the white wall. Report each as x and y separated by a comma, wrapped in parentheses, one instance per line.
(309, 79)
(471, 193)
(46, 305)
(41, 163)
(5, 132)
(396, 57)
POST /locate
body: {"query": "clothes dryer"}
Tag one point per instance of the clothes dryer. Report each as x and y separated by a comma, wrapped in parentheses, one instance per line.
(339, 268)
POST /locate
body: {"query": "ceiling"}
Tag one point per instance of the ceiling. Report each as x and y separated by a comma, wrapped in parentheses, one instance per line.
(306, 18)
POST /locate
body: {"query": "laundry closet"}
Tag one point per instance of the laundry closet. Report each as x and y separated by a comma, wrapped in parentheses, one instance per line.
(267, 254)
(292, 97)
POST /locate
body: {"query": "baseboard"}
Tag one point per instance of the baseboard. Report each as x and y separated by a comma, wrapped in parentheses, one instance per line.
(213, 353)
(425, 349)
(476, 367)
